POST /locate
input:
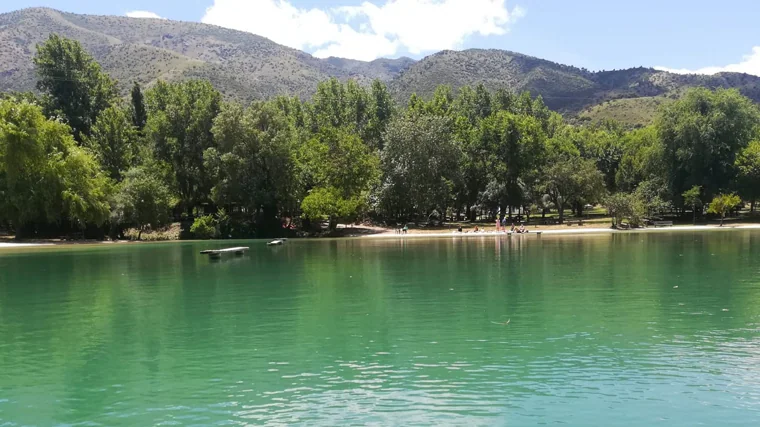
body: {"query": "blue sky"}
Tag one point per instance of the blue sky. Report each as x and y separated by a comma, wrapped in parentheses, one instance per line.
(596, 34)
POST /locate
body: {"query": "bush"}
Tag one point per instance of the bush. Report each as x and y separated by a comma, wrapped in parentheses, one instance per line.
(204, 228)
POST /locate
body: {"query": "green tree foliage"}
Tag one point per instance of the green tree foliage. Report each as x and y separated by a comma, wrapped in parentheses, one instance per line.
(382, 110)
(139, 113)
(641, 160)
(483, 103)
(515, 147)
(693, 199)
(114, 141)
(76, 87)
(748, 168)
(619, 206)
(143, 199)
(338, 171)
(346, 151)
(47, 178)
(180, 119)
(254, 162)
(421, 164)
(722, 204)
(701, 135)
(205, 227)
(569, 180)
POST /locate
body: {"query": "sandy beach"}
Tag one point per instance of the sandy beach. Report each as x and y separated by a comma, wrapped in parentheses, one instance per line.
(568, 231)
(21, 245)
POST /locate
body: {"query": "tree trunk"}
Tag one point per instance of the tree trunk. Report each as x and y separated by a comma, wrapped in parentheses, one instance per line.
(561, 211)
(752, 206)
(695, 214)
(721, 219)
(139, 233)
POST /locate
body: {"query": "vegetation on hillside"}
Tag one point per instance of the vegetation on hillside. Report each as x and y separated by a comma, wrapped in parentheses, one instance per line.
(244, 67)
(80, 158)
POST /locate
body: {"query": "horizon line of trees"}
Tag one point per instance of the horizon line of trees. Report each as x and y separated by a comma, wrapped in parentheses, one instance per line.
(78, 157)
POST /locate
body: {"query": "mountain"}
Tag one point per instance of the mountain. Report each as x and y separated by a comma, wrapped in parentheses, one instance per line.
(564, 88)
(245, 66)
(241, 65)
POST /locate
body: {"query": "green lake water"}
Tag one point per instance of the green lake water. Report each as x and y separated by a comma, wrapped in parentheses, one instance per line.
(642, 329)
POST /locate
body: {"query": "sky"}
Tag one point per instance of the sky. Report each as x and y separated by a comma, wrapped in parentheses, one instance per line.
(678, 35)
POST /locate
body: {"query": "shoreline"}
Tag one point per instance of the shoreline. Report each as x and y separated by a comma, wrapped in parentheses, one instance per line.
(571, 231)
(416, 235)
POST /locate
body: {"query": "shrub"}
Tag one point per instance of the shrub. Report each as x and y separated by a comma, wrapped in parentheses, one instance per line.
(204, 228)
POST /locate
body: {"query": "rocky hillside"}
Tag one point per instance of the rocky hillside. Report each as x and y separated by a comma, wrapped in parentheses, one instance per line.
(564, 88)
(245, 66)
(241, 65)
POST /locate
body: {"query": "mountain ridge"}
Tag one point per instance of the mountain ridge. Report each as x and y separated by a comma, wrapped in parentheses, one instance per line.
(246, 66)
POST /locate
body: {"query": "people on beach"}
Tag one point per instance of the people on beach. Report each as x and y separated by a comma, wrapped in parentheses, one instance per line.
(405, 229)
(522, 229)
(498, 225)
(513, 228)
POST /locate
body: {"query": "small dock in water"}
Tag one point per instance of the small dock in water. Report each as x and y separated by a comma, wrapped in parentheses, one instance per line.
(217, 253)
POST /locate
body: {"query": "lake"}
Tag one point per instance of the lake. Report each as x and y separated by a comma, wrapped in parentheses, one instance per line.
(605, 330)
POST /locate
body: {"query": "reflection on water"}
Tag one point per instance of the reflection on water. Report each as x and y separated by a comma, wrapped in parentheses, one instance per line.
(603, 330)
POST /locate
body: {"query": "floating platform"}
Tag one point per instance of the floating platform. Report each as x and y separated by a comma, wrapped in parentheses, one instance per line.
(277, 242)
(217, 253)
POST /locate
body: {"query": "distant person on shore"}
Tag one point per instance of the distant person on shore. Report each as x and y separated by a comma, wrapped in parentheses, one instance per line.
(513, 228)
(405, 229)
(498, 224)
(477, 230)
(522, 229)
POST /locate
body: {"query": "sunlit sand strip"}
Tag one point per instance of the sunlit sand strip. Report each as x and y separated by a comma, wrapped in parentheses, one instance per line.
(568, 231)
(21, 245)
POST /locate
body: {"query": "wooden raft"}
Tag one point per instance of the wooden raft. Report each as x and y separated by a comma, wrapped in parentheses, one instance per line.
(216, 253)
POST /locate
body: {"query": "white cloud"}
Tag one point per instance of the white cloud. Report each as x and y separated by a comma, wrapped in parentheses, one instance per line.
(143, 14)
(417, 26)
(750, 64)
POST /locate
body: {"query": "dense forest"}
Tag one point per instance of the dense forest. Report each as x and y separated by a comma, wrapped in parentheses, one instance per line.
(78, 158)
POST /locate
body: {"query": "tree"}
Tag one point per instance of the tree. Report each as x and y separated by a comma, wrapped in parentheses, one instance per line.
(723, 204)
(605, 147)
(420, 165)
(483, 104)
(641, 160)
(180, 119)
(77, 88)
(748, 165)
(143, 199)
(47, 178)
(114, 142)
(693, 199)
(338, 173)
(254, 162)
(569, 179)
(701, 135)
(619, 206)
(139, 114)
(382, 110)
(515, 147)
